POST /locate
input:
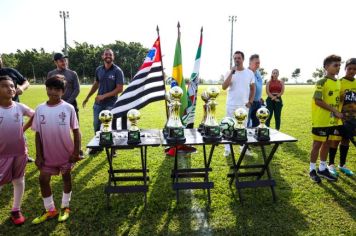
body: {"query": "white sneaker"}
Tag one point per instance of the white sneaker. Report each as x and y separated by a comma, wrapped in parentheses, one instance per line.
(227, 153)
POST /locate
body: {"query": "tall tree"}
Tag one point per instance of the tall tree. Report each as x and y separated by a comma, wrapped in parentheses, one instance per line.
(318, 74)
(296, 74)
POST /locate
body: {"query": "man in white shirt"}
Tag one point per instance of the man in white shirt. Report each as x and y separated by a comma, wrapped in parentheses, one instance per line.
(240, 83)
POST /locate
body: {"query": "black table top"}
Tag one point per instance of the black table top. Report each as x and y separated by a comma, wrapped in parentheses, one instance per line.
(149, 137)
(154, 137)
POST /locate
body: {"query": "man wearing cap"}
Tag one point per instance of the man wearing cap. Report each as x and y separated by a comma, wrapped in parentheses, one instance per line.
(72, 87)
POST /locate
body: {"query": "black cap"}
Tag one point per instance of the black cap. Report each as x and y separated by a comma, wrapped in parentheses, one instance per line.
(58, 56)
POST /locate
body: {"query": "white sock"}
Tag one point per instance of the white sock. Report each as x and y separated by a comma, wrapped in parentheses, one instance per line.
(66, 199)
(19, 188)
(312, 166)
(322, 165)
(49, 203)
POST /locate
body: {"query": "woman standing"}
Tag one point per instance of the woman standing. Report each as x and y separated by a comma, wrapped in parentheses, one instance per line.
(274, 90)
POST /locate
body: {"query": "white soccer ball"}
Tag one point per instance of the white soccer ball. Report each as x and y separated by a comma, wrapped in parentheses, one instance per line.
(262, 114)
(105, 116)
(227, 127)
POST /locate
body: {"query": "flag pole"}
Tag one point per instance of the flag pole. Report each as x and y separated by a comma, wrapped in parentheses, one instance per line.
(164, 75)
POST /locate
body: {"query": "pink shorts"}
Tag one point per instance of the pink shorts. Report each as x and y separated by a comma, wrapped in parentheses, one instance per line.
(12, 168)
(55, 170)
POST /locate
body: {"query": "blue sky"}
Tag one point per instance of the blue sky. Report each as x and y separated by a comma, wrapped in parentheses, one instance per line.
(287, 34)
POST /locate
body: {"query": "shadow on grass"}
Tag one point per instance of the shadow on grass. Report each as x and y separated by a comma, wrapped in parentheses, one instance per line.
(258, 214)
(344, 199)
(294, 151)
(163, 214)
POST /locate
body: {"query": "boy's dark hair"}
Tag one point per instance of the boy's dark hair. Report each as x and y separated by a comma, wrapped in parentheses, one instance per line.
(330, 59)
(254, 56)
(5, 77)
(241, 53)
(351, 61)
(56, 81)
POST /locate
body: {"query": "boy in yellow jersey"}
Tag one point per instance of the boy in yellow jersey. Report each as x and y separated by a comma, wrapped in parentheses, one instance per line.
(348, 106)
(325, 117)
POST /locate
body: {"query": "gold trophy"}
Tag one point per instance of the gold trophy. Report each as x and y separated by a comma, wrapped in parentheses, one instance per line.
(262, 131)
(133, 135)
(169, 107)
(205, 98)
(175, 129)
(105, 118)
(211, 126)
(240, 132)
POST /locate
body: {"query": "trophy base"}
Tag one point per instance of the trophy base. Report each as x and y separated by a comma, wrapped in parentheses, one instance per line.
(239, 135)
(133, 137)
(175, 135)
(212, 134)
(201, 128)
(106, 139)
(262, 134)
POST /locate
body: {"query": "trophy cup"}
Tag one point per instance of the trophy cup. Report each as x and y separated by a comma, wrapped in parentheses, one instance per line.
(211, 126)
(262, 131)
(205, 98)
(133, 135)
(240, 132)
(175, 130)
(106, 139)
(169, 107)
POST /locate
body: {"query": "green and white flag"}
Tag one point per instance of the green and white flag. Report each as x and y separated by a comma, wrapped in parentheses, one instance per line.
(189, 113)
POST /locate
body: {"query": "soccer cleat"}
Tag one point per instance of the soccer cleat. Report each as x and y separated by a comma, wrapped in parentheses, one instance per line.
(17, 218)
(64, 214)
(327, 175)
(313, 175)
(46, 215)
(346, 171)
(332, 170)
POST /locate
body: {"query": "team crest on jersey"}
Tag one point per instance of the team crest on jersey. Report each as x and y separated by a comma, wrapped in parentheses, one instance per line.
(62, 118)
(331, 93)
(42, 119)
(17, 117)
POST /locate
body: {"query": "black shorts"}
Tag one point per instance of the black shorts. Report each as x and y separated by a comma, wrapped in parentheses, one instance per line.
(326, 133)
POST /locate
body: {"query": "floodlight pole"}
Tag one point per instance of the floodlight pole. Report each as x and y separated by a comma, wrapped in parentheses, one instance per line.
(65, 15)
(232, 19)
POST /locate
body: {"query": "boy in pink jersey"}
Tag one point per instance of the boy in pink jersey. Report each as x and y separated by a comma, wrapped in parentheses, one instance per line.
(13, 150)
(55, 150)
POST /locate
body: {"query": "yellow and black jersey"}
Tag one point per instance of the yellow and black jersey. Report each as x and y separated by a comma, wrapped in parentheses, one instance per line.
(348, 98)
(328, 90)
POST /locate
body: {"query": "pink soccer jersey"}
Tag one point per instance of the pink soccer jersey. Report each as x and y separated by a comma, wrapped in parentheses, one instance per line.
(54, 123)
(12, 142)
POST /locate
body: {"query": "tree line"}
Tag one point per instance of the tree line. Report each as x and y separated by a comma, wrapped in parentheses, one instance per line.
(83, 58)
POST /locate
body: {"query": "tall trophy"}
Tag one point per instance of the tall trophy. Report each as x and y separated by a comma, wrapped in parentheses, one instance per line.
(262, 131)
(133, 135)
(175, 129)
(205, 98)
(211, 126)
(169, 107)
(105, 118)
(240, 132)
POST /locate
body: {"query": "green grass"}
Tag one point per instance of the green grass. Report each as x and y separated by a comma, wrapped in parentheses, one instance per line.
(302, 207)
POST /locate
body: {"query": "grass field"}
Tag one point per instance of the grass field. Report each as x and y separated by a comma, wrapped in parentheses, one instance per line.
(302, 208)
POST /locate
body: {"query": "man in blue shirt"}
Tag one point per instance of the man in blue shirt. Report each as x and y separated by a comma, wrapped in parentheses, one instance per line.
(109, 81)
(257, 101)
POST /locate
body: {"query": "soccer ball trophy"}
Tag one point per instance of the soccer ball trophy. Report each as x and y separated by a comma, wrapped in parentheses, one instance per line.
(240, 132)
(175, 130)
(133, 135)
(227, 127)
(262, 131)
(211, 127)
(106, 139)
(205, 98)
